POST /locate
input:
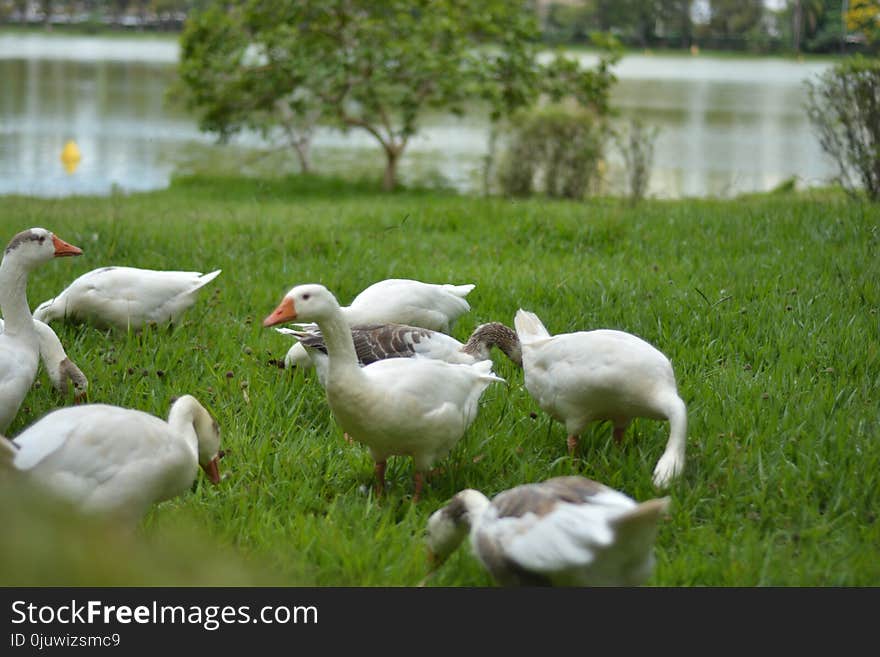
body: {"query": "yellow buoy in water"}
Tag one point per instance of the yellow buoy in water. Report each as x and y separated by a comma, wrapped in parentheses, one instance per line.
(70, 156)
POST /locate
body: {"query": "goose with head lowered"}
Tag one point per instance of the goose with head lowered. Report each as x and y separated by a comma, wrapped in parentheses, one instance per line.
(126, 297)
(115, 461)
(581, 377)
(59, 367)
(19, 341)
(381, 341)
(432, 306)
(565, 531)
(416, 407)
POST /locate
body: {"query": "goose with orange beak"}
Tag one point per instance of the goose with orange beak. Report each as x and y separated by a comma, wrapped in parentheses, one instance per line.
(432, 306)
(115, 461)
(20, 342)
(397, 407)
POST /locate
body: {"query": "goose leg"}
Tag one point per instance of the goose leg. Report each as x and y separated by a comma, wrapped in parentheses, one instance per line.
(380, 477)
(572, 442)
(619, 430)
(419, 482)
(348, 439)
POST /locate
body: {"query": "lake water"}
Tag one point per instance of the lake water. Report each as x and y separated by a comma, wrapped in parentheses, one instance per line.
(727, 126)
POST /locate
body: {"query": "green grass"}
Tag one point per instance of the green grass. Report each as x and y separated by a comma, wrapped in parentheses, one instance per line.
(767, 306)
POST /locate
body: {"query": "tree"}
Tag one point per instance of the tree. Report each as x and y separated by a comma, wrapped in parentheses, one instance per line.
(356, 64)
(804, 18)
(250, 65)
(731, 19)
(864, 16)
(675, 16)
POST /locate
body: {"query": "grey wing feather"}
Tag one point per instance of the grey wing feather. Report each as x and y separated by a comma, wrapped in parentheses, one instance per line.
(372, 342)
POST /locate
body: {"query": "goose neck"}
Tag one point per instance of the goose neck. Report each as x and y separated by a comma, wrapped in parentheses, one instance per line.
(13, 297)
(494, 334)
(340, 344)
(181, 419)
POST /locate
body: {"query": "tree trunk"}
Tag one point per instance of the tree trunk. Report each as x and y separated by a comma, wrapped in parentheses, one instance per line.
(300, 141)
(47, 15)
(686, 26)
(301, 147)
(489, 161)
(389, 180)
(797, 20)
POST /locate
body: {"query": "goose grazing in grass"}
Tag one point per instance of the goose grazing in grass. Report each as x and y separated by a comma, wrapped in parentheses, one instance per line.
(117, 461)
(581, 377)
(416, 407)
(381, 341)
(399, 301)
(124, 297)
(404, 301)
(19, 341)
(565, 531)
(59, 367)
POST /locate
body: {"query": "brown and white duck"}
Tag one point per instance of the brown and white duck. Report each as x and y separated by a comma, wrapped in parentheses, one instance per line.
(381, 341)
(565, 531)
(405, 301)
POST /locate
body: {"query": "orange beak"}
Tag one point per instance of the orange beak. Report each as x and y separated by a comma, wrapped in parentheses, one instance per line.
(62, 248)
(212, 470)
(285, 312)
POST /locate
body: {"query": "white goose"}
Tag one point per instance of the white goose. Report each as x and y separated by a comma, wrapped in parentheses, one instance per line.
(124, 297)
(401, 406)
(565, 531)
(399, 301)
(20, 342)
(59, 367)
(381, 341)
(603, 375)
(117, 461)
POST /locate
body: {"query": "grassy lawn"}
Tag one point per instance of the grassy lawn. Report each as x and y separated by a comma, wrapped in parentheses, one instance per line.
(767, 306)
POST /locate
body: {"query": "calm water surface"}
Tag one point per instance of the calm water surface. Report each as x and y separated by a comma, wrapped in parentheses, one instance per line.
(726, 125)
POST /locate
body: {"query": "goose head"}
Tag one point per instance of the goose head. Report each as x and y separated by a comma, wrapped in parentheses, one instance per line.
(188, 409)
(306, 303)
(37, 245)
(208, 432)
(448, 526)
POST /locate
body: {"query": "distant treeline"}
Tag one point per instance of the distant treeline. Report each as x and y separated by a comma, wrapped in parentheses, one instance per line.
(816, 26)
(760, 26)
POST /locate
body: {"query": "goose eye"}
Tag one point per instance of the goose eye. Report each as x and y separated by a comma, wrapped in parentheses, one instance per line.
(41, 238)
(306, 297)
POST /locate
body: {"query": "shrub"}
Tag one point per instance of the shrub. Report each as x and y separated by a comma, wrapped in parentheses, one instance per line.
(844, 107)
(555, 150)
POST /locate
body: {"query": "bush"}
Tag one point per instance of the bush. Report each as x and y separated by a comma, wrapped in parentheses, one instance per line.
(844, 107)
(555, 150)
